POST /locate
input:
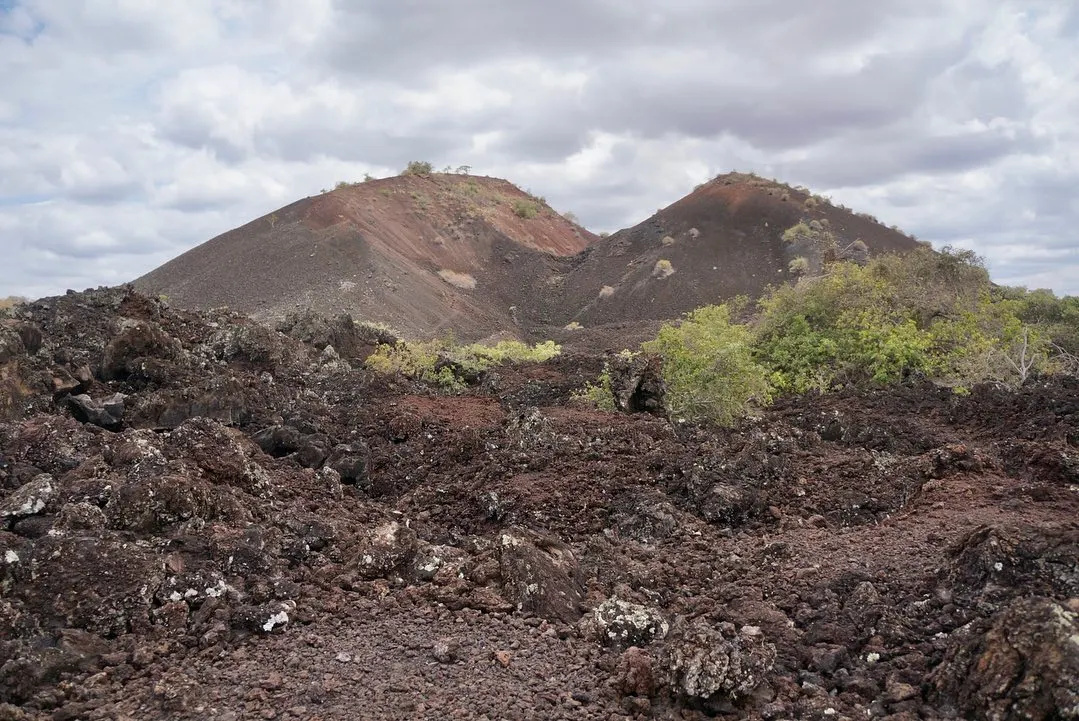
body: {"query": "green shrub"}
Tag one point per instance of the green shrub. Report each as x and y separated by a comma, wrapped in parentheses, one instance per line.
(421, 168)
(525, 209)
(923, 312)
(709, 368)
(599, 394)
(440, 363)
(799, 265)
(418, 360)
(481, 357)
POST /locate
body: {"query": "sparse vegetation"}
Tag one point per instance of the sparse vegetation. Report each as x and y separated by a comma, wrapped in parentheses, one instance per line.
(525, 209)
(600, 394)
(709, 368)
(662, 269)
(571, 217)
(799, 265)
(667, 241)
(441, 363)
(11, 301)
(573, 325)
(421, 168)
(422, 201)
(458, 280)
(694, 233)
(810, 203)
(606, 291)
(815, 235)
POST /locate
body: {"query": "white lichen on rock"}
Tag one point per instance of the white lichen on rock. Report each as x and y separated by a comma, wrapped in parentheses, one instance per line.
(626, 624)
(29, 499)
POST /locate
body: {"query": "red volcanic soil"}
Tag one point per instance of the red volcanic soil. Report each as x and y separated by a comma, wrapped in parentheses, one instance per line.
(258, 528)
(422, 254)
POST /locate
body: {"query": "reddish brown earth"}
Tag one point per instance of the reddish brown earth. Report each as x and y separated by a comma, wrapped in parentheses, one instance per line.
(260, 529)
(375, 250)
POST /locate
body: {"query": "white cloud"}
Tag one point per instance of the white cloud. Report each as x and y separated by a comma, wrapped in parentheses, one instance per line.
(131, 130)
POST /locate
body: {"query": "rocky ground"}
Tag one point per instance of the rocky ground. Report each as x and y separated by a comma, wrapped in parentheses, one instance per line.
(201, 518)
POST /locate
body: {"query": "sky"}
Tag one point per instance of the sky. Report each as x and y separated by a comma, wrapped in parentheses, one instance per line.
(133, 130)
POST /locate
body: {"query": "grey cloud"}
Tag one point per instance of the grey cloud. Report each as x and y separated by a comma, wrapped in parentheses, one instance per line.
(375, 38)
(764, 85)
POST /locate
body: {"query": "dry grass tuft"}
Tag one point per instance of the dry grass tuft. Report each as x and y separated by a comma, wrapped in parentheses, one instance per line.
(458, 280)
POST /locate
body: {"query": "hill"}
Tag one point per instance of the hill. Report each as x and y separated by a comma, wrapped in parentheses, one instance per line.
(406, 251)
(478, 256)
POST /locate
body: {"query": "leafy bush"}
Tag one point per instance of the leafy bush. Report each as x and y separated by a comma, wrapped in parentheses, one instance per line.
(709, 368)
(599, 394)
(440, 363)
(923, 312)
(481, 357)
(421, 168)
(525, 209)
(419, 360)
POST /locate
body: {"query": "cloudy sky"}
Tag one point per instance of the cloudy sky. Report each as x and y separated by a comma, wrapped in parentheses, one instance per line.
(131, 130)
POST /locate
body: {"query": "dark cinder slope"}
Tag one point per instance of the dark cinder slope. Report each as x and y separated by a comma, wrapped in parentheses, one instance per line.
(723, 240)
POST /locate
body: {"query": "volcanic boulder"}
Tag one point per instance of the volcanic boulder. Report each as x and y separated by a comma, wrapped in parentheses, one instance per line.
(637, 384)
(540, 575)
(1021, 664)
(107, 413)
(623, 624)
(994, 563)
(30, 499)
(133, 344)
(703, 661)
